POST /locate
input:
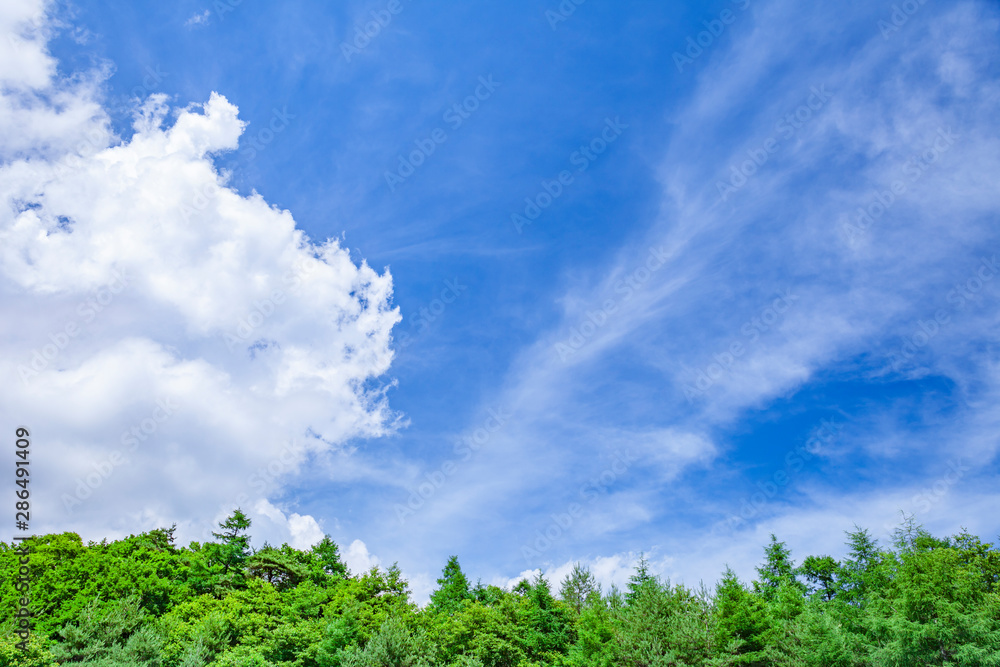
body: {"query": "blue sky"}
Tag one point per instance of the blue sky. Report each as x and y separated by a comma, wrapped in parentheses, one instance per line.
(638, 307)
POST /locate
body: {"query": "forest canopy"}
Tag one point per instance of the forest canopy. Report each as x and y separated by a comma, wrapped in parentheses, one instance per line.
(143, 601)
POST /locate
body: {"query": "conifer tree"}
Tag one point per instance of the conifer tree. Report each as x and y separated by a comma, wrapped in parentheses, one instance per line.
(776, 570)
(328, 553)
(453, 587)
(639, 581)
(579, 587)
(235, 541)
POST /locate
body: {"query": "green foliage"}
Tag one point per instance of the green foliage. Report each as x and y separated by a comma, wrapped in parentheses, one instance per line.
(579, 589)
(863, 570)
(278, 567)
(639, 581)
(937, 610)
(234, 544)
(664, 625)
(340, 634)
(36, 655)
(777, 570)
(144, 602)
(596, 643)
(453, 588)
(744, 625)
(113, 633)
(393, 646)
(821, 573)
(328, 556)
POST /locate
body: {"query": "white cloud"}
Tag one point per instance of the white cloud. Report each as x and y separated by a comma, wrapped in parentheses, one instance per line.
(37, 117)
(300, 531)
(24, 61)
(725, 265)
(612, 570)
(172, 336)
(358, 559)
(305, 531)
(197, 19)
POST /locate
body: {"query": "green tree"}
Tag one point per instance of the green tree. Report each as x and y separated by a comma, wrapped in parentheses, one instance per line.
(579, 588)
(278, 567)
(393, 646)
(113, 633)
(597, 638)
(821, 573)
(453, 587)
(663, 625)
(935, 610)
(744, 627)
(235, 543)
(776, 570)
(859, 573)
(328, 553)
(37, 653)
(639, 581)
(341, 633)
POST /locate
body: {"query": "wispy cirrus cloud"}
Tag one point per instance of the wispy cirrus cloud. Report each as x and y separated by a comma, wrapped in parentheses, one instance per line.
(917, 109)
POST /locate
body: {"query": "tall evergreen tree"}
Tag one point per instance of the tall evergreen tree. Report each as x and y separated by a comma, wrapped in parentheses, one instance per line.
(858, 572)
(579, 587)
(235, 541)
(453, 587)
(744, 627)
(639, 581)
(328, 553)
(777, 569)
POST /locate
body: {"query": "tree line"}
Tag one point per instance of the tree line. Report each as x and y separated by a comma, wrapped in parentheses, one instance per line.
(143, 601)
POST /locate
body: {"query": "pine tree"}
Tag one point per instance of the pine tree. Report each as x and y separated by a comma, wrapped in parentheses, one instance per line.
(639, 581)
(744, 626)
(776, 570)
(857, 574)
(235, 541)
(453, 587)
(578, 588)
(279, 567)
(329, 556)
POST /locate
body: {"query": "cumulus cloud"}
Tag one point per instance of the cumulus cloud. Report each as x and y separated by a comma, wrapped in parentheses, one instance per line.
(358, 559)
(179, 348)
(300, 531)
